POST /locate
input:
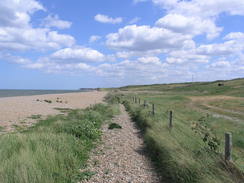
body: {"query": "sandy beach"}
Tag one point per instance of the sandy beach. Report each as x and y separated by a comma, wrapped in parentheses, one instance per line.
(18, 110)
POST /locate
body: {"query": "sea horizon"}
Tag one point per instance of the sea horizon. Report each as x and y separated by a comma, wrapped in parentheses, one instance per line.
(30, 92)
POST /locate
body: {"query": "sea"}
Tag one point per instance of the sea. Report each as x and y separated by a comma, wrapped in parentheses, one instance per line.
(13, 93)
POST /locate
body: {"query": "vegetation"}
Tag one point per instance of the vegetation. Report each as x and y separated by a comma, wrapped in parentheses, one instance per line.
(48, 101)
(55, 149)
(192, 150)
(231, 88)
(114, 125)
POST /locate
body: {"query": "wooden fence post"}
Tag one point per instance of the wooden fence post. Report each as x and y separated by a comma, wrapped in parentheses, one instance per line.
(170, 119)
(153, 109)
(145, 103)
(135, 100)
(228, 146)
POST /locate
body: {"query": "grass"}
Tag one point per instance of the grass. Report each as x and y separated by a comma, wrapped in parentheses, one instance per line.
(55, 149)
(193, 150)
(114, 126)
(35, 116)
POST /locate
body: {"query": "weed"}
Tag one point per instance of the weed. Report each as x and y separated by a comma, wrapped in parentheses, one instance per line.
(48, 101)
(36, 116)
(113, 126)
(54, 149)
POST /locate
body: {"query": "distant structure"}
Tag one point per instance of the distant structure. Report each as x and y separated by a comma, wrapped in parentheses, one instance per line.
(220, 84)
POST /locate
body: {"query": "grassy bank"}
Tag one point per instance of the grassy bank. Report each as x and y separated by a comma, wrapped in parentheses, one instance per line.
(181, 154)
(55, 149)
(192, 151)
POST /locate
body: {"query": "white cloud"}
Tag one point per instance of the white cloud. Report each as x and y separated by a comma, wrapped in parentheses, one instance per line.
(215, 49)
(139, 1)
(186, 56)
(17, 33)
(200, 8)
(145, 38)
(54, 21)
(220, 64)
(189, 25)
(141, 70)
(17, 13)
(14, 59)
(197, 16)
(134, 20)
(149, 60)
(94, 38)
(235, 35)
(78, 54)
(106, 19)
(12, 38)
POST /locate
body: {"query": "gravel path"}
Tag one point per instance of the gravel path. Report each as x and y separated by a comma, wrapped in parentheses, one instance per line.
(121, 157)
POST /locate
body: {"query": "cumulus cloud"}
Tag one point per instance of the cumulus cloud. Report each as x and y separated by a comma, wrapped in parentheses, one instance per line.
(14, 59)
(189, 25)
(17, 13)
(106, 19)
(17, 33)
(186, 56)
(54, 21)
(235, 36)
(13, 38)
(94, 38)
(206, 8)
(134, 20)
(197, 17)
(145, 38)
(78, 54)
(220, 64)
(141, 70)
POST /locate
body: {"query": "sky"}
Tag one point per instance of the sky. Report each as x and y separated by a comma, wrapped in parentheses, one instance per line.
(71, 44)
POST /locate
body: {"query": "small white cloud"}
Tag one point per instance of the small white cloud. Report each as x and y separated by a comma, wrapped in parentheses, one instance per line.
(139, 1)
(94, 38)
(235, 35)
(106, 19)
(220, 64)
(54, 21)
(78, 54)
(226, 48)
(134, 20)
(149, 60)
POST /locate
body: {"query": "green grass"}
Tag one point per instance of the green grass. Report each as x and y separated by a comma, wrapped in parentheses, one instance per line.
(233, 88)
(114, 126)
(55, 149)
(181, 154)
(192, 151)
(35, 116)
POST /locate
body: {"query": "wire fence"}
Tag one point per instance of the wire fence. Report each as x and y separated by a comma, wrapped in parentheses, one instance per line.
(170, 115)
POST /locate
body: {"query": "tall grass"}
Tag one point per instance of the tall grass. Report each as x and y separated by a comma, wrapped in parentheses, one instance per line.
(180, 154)
(54, 150)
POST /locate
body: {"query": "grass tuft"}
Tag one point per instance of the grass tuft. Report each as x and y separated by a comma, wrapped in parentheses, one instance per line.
(113, 126)
(55, 149)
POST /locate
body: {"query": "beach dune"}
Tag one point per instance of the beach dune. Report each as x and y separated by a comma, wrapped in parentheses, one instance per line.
(18, 110)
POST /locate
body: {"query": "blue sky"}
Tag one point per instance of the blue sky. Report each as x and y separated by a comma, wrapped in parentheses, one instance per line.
(62, 44)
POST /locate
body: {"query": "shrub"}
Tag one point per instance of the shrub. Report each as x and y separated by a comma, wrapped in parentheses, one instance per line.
(114, 125)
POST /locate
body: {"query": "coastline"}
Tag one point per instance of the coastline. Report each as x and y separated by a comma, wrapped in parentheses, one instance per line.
(23, 92)
(17, 110)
